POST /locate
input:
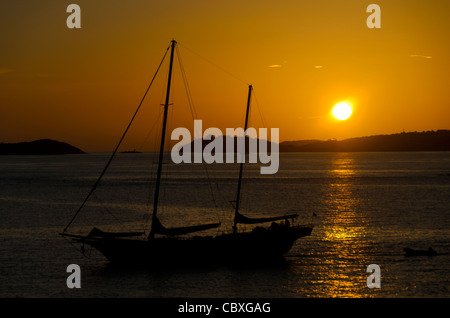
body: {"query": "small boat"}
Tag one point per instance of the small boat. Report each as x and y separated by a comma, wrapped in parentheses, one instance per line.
(413, 252)
(164, 246)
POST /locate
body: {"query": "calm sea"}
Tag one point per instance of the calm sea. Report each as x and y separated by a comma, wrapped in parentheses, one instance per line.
(366, 207)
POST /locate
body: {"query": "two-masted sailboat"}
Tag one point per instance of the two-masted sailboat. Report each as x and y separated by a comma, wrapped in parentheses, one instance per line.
(170, 246)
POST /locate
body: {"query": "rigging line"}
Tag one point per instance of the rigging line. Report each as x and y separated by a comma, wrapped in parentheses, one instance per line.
(259, 111)
(165, 168)
(118, 145)
(214, 64)
(151, 181)
(210, 186)
(151, 130)
(154, 158)
(194, 117)
(186, 86)
(105, 208)
(113, 215)
(76, 248)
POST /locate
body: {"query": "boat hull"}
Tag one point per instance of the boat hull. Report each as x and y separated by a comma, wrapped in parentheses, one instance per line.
(238, 248)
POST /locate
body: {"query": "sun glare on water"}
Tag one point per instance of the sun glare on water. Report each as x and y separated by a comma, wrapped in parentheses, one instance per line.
(342, 111)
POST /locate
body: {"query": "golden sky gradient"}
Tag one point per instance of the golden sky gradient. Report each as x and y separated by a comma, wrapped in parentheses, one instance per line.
(302, 57)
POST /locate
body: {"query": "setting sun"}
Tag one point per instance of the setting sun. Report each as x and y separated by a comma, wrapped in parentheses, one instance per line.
(342, 111)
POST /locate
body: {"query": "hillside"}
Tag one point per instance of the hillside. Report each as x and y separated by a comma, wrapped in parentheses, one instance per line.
(39, 147)
(412, 141)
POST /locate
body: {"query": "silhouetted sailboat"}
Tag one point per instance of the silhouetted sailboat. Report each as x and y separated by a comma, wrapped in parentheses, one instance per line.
(166, 246)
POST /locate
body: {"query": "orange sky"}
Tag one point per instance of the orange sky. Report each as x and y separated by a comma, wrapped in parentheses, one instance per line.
(82, 85)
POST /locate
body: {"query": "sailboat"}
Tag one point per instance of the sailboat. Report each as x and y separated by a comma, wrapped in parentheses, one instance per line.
(170, 246)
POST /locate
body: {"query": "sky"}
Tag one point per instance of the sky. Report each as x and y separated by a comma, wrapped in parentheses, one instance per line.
(302, 57)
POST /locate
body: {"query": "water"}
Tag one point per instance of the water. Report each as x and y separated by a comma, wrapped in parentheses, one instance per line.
(368, 207)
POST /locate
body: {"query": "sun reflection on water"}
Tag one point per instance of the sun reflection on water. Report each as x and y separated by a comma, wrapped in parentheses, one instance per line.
(344, 234)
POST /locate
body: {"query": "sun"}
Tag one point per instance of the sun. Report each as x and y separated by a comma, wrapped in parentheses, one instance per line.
(342, 111)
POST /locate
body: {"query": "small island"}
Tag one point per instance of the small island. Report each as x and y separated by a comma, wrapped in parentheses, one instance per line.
(39, 147)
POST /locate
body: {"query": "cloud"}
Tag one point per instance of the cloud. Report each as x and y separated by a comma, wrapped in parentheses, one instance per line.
(421, 56)
(278, 65)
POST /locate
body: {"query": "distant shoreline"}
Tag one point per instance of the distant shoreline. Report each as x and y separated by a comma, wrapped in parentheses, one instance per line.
(412, 141)
(39, 147)
(401, 142)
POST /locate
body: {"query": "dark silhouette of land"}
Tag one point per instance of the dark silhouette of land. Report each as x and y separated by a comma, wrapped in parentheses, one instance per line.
(39, 147)
(438, 140)
(412, 141)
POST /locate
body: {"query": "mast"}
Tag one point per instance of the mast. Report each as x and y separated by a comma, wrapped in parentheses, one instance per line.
(236, 213)
(163, 135)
